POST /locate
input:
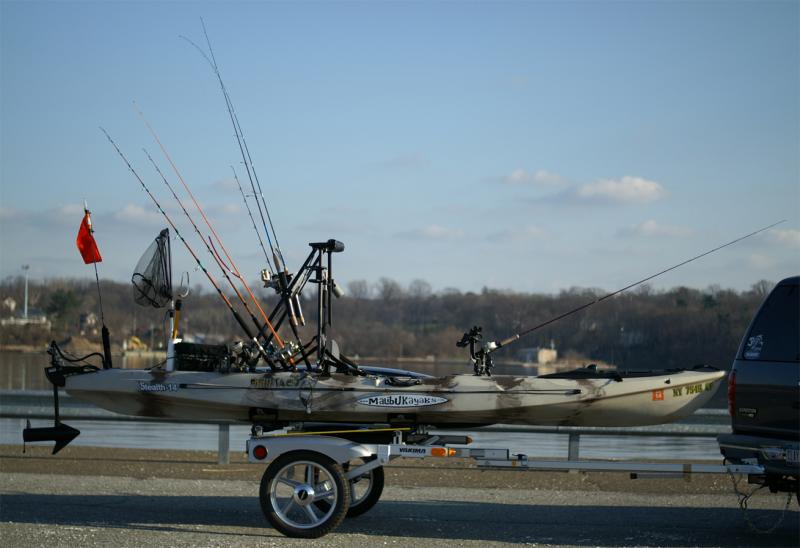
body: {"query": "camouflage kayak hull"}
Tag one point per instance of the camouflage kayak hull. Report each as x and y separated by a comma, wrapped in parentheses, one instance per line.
(438, 401)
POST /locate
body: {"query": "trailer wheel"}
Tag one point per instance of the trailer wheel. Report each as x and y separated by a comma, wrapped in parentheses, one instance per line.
(365, 491)
(304, 494)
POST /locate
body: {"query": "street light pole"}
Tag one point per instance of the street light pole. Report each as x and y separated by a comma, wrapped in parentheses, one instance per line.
(25, 269)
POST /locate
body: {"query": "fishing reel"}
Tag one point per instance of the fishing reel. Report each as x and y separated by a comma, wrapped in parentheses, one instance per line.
(482, 362)
(290, 350)
(244, 355)
(272, 281)
(281, 282)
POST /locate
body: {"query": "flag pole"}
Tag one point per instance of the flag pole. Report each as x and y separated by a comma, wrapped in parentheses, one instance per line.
(99, 295)
(107, 364)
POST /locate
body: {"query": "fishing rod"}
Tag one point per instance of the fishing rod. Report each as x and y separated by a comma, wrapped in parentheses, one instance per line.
(281, 279)
(243, 149)
(238, 130)
(280, 283)
(250, 214)
(211, 279)
(481, 357)
(233, 268)
(211, 251)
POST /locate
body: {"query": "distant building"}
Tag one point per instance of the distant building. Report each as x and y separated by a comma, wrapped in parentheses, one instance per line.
(35, 317)
(538, 354)
(88, 323)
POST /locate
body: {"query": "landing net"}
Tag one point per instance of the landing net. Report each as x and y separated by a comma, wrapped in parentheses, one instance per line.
(152, 278)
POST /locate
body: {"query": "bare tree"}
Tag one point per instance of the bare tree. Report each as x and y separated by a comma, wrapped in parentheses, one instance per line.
(389, 290)
(358, 289)
(419, 289)
(450, 291)
(762, 288)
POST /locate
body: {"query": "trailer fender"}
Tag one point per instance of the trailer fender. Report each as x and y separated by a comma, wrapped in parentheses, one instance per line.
(338, 449)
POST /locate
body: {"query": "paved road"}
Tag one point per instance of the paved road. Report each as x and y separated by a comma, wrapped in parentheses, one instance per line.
(50, 510)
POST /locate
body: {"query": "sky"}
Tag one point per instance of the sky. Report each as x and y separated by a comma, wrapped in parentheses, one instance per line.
(525, 146)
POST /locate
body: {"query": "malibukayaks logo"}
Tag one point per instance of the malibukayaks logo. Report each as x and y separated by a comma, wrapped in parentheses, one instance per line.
(402, 400)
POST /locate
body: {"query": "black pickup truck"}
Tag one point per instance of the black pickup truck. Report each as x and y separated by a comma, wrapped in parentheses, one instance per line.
(764, 392)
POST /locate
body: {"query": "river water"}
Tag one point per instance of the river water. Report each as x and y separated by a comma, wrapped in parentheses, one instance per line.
(25, 372)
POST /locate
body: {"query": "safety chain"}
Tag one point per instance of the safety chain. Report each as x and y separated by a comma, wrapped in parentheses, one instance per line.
(743, 501)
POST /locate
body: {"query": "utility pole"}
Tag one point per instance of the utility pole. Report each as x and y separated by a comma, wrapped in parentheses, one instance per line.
(25, 269)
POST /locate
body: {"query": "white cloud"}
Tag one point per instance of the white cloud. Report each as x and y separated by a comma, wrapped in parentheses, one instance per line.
(761, 262)
(526, 233)
(66, 214)
(522, 177)
(70, 210)
(8, 213)
(651, 228)
(225, 185)
(137, 215)
(627, 190)
(789, 237)
(432, 232)
(225, 209)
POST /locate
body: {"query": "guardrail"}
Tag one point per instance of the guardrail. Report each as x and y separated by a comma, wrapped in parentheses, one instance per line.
(38, 405)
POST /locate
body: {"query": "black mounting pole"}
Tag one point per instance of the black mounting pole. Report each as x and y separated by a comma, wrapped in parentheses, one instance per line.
(321, 335)
(60, 433)
(329, 288)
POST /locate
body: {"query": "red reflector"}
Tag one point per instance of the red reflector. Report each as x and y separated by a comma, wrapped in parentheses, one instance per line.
(732, 393)
(260, 452)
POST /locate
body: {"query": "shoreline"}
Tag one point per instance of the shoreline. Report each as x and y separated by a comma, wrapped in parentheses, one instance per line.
(365, 360)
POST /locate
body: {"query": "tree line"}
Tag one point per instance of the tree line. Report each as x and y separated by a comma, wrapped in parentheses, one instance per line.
(643, 328)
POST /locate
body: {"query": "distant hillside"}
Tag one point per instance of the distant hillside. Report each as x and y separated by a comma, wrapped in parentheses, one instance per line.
(641, 329)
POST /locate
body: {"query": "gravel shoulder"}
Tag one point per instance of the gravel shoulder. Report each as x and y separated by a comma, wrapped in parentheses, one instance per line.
(100, 497)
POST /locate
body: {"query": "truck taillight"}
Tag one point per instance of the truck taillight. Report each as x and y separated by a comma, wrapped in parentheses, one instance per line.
(732, 393)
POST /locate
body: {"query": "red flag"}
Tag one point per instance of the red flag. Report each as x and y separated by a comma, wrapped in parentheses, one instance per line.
(86, 244)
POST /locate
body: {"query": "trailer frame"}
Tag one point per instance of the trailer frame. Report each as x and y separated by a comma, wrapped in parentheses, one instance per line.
(334, 460)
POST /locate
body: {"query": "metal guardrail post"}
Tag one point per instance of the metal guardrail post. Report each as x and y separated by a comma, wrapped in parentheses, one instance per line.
(223, 451)
(573, 451)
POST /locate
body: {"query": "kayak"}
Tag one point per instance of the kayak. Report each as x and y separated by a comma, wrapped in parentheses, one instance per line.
(584, 397)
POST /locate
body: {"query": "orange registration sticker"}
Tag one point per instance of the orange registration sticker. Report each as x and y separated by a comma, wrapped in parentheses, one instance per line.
(658, 395)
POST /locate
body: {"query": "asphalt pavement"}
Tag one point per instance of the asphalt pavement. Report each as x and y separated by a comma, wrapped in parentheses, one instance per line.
(86, 510)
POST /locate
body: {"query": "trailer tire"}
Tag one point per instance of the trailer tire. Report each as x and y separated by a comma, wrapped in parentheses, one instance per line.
(365, 491)
(361, 502)
(304, 494)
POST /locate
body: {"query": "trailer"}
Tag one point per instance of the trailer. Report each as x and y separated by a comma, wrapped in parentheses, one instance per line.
(317, 475)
